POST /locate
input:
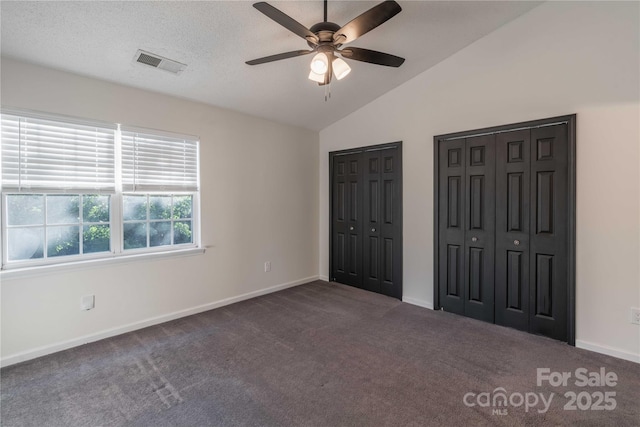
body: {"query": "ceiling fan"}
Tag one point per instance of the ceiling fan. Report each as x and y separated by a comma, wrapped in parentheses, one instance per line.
(326, 39)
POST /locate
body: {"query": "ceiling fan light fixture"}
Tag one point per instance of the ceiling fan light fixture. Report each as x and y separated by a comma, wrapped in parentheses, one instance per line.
(340, 68)
(320, 63)
(325, 38)
(316, 77)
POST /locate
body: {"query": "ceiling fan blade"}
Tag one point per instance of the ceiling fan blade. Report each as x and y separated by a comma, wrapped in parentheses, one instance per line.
(371, 56)
(367, 21)
(279, 56)
(286, 21)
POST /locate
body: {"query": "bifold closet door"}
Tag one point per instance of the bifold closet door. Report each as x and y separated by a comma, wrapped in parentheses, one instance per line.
(382, 231)
(346, 221)
(480, 224)
(451, 229)
(549, 238)
(505, 224)
(467, 227)
(531, 230)
(366, 218)
(513, 164)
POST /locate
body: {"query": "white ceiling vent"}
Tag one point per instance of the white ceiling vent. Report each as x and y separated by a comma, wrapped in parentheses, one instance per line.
(157, 61)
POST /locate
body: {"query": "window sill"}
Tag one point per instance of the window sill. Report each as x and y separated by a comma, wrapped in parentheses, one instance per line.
(95, 263)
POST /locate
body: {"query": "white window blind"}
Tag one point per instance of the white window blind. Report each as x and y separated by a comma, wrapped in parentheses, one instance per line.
(158, 163)
(44, 155)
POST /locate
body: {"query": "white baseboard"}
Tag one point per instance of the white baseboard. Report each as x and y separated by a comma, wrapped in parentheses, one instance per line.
(64, 345)
(325, 278)
(418, 302)
(609, 351)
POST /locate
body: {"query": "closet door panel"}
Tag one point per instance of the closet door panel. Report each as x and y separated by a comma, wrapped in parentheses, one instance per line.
(512, 229)
(549, 225)
(373, 268)
(382, 229)
(451, 229)
(347, 195)
(479, 237)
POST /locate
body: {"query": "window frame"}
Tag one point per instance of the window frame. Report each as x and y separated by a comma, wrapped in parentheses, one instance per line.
(116, 211)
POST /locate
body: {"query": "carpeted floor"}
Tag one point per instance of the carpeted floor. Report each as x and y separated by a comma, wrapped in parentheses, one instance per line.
(317, 355)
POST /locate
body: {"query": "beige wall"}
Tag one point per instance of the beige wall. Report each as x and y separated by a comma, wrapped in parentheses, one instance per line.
(560, 58)
(259, 203)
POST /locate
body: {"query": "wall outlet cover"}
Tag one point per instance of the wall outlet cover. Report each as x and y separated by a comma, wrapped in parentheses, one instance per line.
(88, 302)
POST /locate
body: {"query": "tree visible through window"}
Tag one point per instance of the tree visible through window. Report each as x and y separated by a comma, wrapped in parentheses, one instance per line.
(157, 220)
(52, 225)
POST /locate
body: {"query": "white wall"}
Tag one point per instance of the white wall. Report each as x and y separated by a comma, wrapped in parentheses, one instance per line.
(560, 58)
(259, 203)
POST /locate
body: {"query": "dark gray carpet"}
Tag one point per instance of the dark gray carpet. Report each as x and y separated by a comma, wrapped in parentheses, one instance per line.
(314, 355)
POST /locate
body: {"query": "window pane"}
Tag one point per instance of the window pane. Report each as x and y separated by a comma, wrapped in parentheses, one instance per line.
(95, 208)
(182, 207)
(25, 209)
(182, 232)
(160, 233)
(25, 243)
(63, 241)
(135, 208)
(63, 209)
(95, 238)
(160, 207)
(135, 235)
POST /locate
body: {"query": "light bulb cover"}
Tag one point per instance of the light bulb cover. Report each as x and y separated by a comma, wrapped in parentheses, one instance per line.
(340, 68)
(320, 63)
(316, 77)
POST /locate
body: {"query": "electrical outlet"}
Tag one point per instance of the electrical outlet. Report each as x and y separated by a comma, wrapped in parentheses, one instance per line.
(87, 302)
(635, 315)
(267, 266)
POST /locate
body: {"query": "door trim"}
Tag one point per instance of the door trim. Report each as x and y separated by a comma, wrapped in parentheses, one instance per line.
(571, 205)
(332, 155)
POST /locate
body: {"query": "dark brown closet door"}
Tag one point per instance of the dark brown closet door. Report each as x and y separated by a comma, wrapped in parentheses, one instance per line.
(467, 226)
(366, 218)
(549, 224)
(479, 239)
(382, 231)
(346, 222)
(451, 225)
(505, 225)
(512, 228)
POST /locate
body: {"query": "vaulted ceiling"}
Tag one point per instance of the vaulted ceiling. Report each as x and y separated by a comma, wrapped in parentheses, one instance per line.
(215, 38)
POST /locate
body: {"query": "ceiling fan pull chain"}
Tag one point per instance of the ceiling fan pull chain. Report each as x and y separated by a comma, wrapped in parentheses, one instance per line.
(327, 92)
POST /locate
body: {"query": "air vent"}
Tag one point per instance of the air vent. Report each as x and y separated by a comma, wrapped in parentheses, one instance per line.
(157, 61)
(149, 60)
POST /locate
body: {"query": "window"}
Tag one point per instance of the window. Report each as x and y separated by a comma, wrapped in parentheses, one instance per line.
(51, 225)
(152, 164)
(152, 220)
(73, 190)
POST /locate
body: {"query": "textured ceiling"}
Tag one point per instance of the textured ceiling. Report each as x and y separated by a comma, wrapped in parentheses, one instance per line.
(215, 38)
